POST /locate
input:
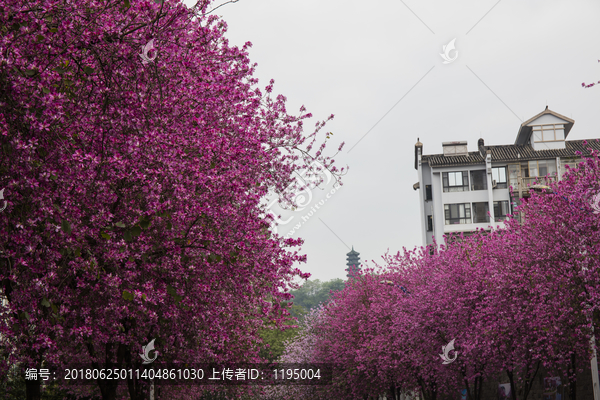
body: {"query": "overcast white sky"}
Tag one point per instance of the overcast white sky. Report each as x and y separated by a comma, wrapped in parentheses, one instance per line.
(359, 59)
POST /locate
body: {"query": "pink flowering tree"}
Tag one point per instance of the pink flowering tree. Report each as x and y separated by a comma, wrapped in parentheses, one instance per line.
(515, 299)
(341, 334)
(365, 333)
(133, 184)
(300, 350)
(431, 300)
(556, 270)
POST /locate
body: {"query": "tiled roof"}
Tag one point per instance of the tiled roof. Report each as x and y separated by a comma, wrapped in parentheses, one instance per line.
(511, 153)
(439, 160)
(526, 152)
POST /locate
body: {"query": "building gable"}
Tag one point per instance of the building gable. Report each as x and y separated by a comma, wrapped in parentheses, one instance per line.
(545, 131)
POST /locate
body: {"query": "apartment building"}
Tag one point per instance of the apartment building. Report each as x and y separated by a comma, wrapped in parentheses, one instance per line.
(461, 190)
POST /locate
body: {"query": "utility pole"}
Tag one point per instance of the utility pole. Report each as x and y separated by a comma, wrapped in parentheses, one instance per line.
(595, 384)
(594, 362)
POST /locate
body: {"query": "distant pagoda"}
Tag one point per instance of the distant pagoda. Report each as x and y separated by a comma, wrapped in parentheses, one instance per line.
(353, 263)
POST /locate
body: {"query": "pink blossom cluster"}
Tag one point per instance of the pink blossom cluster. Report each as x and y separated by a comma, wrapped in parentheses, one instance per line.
(514, 300)
(299, 351)
(134, 189)
(590, 84)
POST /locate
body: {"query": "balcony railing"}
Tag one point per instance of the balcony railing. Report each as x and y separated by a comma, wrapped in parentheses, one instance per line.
(524, 183)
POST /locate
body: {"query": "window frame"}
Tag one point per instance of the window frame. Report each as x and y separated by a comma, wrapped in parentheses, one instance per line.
(482, 171)
(570, 161)
(526, 172)
(547, 129)
(474, 212)
(447, 188)
(514, 180)
(547, 162)
(498, 206)
(525, 169)
(467, 219)
(501, 185)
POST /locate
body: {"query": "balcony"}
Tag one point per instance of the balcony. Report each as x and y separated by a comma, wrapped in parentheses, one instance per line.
(524, 183)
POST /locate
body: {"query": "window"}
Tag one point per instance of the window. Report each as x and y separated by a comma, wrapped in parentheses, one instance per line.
(514, 203)
(427, 192)
(533, 169)
(536, 168)
(525, 170)
(571, 162)
(480, 212)
(455, 181)
(546, 167)
(455, 237)
(501, 210)
(457, 213)
(513, 172)
(499, 175)
(548, 133)
(478, 180)
(429, 223)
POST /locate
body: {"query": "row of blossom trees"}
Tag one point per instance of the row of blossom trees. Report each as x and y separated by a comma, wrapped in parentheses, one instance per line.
(515, 300)
(133, 184)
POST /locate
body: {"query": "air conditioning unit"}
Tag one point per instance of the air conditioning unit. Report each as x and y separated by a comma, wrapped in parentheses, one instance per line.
(494, 184)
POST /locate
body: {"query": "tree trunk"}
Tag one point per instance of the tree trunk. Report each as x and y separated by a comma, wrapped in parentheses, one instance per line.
(430, 394)
(393, 392)
(33, 389)
(108, 388)
(469, 395)
(137, 391)
(529, 380)
(572, 379)
(479, 387)
(513, 388)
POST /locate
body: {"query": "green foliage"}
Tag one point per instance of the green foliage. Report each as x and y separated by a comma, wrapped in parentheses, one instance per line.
(313, 293)
(309, 296)
(298, 312)
(276, 338)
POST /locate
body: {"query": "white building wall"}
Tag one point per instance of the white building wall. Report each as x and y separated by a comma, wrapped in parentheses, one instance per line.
(422, 197)
(435, 207)
(547, 145)
(433, 177)
(547, 119)
(536, 139)
(428, 205)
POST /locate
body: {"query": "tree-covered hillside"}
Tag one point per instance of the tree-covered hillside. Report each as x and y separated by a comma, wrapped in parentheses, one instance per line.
(313, 293)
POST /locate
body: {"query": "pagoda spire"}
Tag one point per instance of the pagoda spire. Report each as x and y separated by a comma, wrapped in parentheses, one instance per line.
(353, 263)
